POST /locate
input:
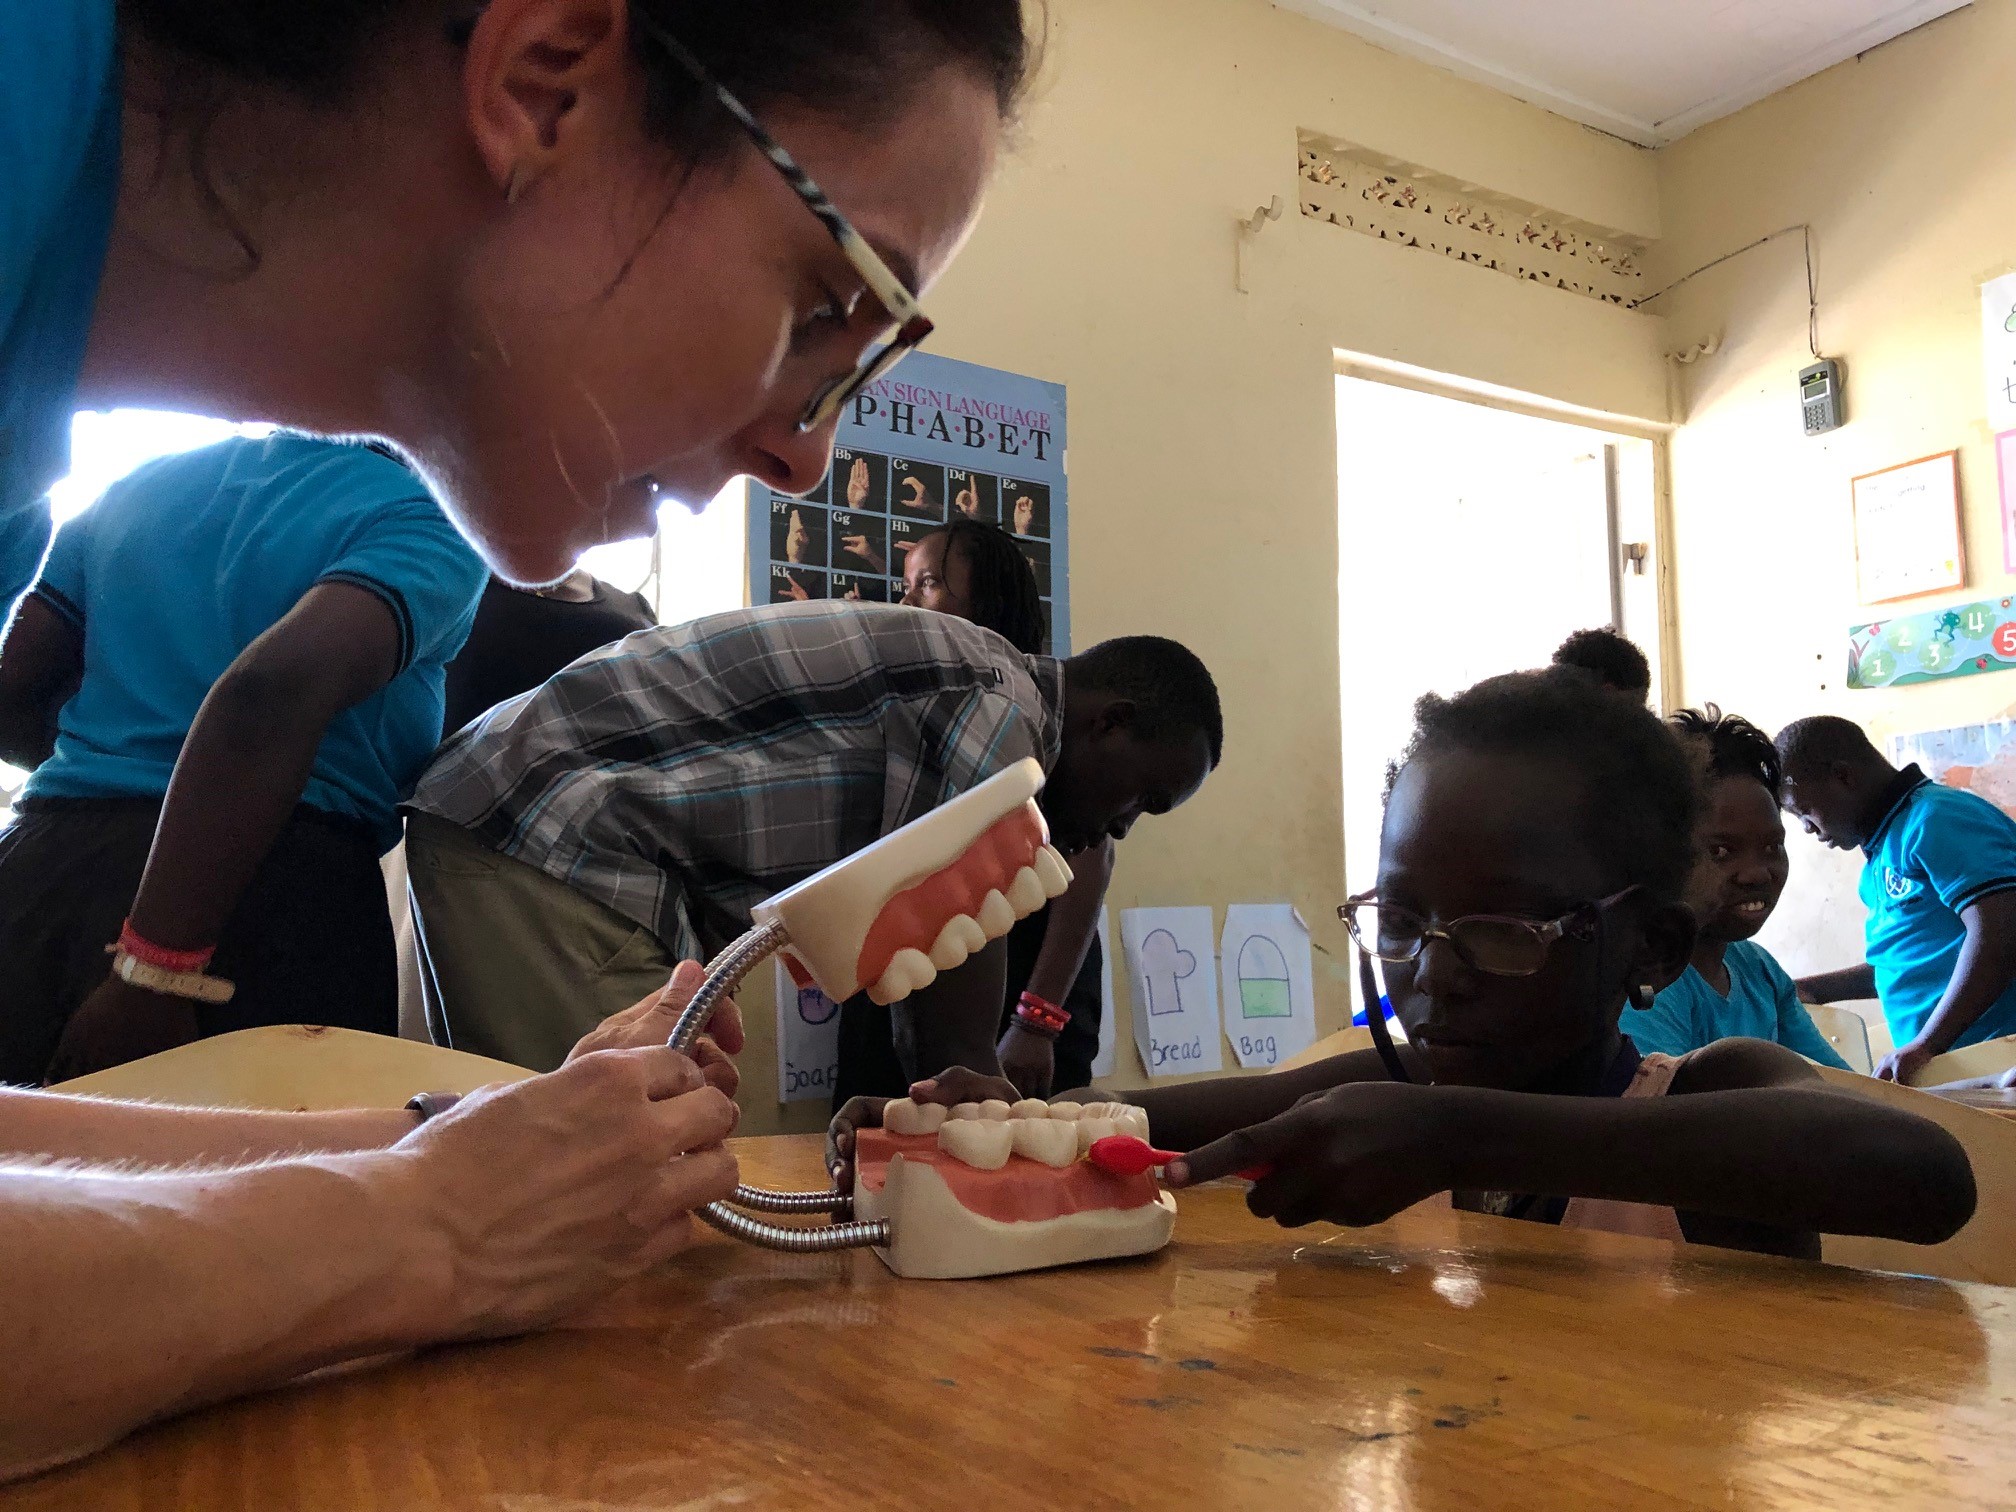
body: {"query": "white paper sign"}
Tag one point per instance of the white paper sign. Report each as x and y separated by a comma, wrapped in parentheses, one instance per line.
(808, 1041)
(1109, 1018)
(1170, 956)
(1998, 350)
(1270, 983)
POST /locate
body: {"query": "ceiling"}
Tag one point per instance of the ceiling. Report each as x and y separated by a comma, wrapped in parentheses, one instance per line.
(1649, 71)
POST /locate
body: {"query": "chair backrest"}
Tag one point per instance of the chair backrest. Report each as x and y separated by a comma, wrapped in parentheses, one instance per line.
(1988, 1058)
(1847, 1031)
(1985, 1250)
(296, 1068)
(1340, 1043)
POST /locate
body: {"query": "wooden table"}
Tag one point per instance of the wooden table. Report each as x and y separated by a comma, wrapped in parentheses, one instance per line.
(1442, 1360)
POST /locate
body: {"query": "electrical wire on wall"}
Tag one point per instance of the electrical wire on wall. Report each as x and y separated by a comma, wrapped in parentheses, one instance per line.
(1805, 233)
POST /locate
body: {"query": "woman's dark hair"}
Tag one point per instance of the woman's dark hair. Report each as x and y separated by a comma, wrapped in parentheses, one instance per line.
(1002, 594)
(831, 56)
(1609, 658)
(1641, 794)
(1733, 746)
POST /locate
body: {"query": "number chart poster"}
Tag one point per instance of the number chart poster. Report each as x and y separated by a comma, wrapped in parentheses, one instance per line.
(934, 440)
(1961, 641)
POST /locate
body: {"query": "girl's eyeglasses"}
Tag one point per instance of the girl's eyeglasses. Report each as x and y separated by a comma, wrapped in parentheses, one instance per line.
(1496, 944)
(912, 325)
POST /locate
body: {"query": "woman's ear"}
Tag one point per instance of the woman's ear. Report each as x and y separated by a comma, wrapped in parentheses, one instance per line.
(1666, 943)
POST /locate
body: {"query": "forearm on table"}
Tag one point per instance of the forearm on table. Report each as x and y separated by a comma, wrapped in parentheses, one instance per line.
(131, 1297)
(1192, 1115)
(1850, 982)
(1792, 1157)
(60, 1126)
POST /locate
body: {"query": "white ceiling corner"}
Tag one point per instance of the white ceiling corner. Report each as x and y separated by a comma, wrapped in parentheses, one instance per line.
(1649, 71)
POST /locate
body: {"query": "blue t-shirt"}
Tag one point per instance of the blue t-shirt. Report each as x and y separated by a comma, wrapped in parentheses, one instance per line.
(181, 566)
(1937, 852)
(59, 177)
(1762, 1004)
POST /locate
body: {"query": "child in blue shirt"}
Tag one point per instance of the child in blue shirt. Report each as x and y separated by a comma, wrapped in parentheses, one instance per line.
(1732, 988)
(1939, 884)
(228, 677)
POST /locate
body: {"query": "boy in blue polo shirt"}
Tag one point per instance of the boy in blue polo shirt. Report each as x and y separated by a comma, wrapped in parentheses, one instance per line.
(228, 677)
(1939, 881)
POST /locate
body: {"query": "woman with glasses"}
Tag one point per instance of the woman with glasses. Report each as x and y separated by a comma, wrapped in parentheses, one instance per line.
(1539, 834)
(573, 257)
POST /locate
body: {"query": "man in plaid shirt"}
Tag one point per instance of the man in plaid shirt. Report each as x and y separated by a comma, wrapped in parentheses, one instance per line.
(571, 846)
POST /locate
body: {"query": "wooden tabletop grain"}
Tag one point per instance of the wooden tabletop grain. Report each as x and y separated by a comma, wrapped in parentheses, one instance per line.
(1441, 1360)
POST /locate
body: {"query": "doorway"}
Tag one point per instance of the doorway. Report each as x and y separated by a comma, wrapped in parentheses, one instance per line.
(1472, 539)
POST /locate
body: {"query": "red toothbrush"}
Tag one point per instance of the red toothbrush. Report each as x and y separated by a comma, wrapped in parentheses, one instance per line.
(1124, 1155)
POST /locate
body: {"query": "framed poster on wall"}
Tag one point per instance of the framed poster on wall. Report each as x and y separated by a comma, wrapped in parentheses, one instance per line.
(934, 440)
(1907, 530)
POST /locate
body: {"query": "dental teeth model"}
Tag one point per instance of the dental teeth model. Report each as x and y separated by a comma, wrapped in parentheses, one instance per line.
(984, 1189)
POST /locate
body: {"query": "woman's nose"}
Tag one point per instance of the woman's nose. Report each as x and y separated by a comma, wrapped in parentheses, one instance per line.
(785, 459)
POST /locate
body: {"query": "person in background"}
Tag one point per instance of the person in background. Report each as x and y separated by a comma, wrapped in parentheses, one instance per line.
(522, 636)
(638, 805)
(1938, 880)
(1608, 657)
(226, 680)
(1732, 988)
(1050, 1021)
(1538, 838)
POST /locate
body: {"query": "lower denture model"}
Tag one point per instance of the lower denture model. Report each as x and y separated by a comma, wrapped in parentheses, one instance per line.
(887, 920)
(984, 1189)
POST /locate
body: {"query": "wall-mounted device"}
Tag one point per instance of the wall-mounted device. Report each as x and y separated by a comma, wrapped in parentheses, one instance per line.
(1820, 397)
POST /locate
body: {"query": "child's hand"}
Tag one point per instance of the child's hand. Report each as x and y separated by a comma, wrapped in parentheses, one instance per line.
(1355, 1155)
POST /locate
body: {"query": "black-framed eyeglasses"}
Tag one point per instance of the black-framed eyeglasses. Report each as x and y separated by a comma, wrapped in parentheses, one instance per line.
(912, 325)
(1496, 944)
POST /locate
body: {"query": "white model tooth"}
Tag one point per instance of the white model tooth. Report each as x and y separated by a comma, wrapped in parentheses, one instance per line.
(1046, 1141)
(1052, 870)
(997, 915)
(1026, 892)
(1089, 1129)
(964, 1113)
(961, 936)
(1030, 1107)
(1098, 1109)
(983, 1145)
(902, 1116)
(994, 1110)
(1067, 1112)
(1132, 1120)
(913, 970)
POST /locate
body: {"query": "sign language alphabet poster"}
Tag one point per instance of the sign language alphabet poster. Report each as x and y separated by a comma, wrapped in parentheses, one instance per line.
(934, 441)
(1172, 969)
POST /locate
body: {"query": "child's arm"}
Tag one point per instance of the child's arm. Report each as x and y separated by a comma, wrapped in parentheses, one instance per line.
(1195, 1114)
(1755, 1139)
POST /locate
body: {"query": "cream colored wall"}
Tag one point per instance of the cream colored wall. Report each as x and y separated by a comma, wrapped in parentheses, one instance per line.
(1905, 164)
(1203, 452)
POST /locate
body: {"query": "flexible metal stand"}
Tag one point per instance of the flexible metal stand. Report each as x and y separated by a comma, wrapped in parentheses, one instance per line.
(725, 973)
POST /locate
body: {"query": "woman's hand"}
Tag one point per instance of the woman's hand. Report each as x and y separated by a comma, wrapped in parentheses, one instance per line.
(651, 1021)
(1028, 1060)
(857, 483)
(540, 1196)
(118, 1023)
(918, 500)
(857, 546)
(1354, 1155)
(967, 501)
(948, 1087)
(1025, 514)
(794, 589)
(795, 538)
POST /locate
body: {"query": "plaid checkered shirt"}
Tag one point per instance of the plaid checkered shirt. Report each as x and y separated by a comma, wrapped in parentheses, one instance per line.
(683, 774)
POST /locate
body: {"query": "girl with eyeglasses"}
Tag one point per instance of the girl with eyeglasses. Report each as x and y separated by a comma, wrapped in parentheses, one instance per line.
(1539, 834)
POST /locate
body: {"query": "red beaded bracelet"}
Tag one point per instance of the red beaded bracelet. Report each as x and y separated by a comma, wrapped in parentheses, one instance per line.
(1040, 1014)
(144, 950)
